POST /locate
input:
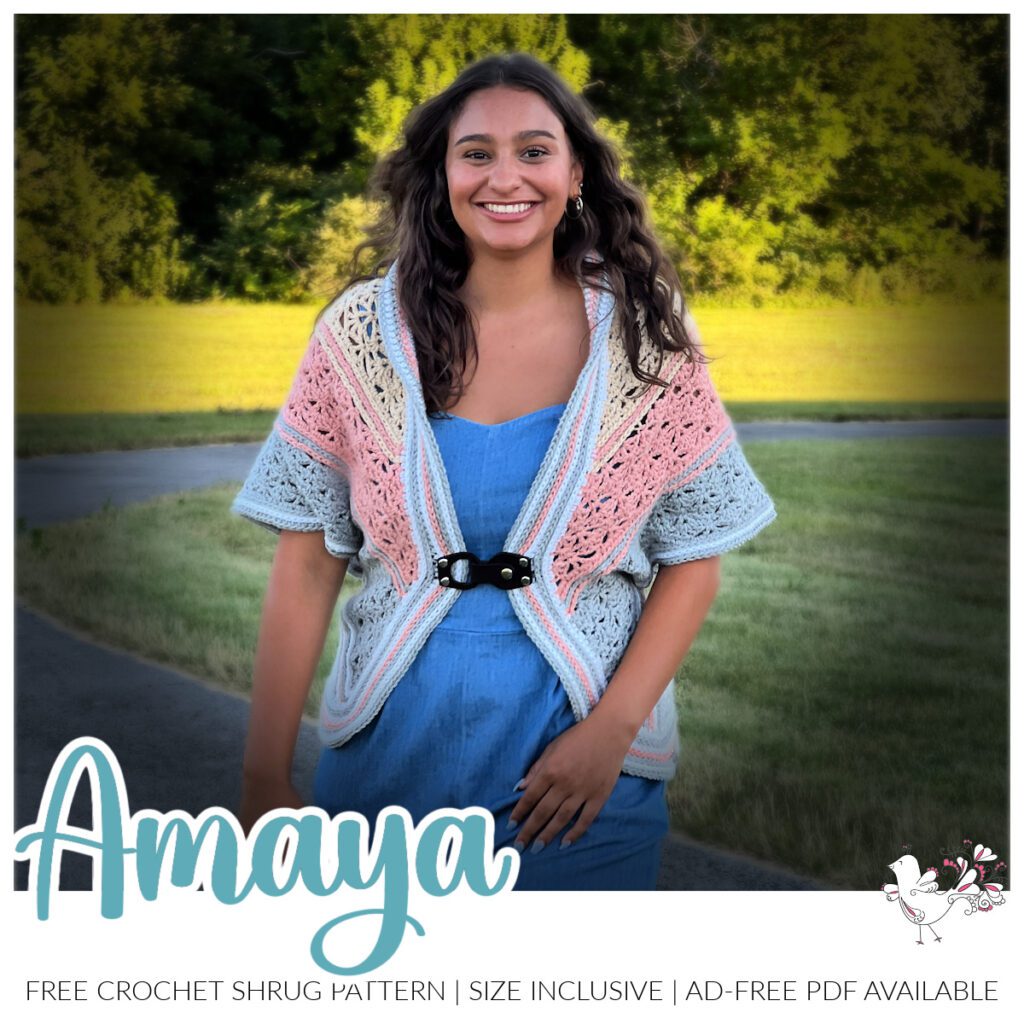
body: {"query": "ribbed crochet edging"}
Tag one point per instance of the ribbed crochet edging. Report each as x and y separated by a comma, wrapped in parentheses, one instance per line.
(720, 545)
(390, 664)
(274, 521)
(637, 766)
(266, 515)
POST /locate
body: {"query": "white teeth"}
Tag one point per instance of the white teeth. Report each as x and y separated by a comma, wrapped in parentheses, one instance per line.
(508, 207)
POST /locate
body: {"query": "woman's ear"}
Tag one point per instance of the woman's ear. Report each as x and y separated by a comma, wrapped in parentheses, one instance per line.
(575, 177)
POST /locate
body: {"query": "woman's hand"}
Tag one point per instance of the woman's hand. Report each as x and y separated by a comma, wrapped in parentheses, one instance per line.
(576, 773)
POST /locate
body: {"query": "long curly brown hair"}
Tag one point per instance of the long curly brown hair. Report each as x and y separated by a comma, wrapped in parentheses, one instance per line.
(417, 228)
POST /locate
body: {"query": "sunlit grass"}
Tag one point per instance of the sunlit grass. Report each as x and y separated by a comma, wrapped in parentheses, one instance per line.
(903, 353)
(157, 358)
(209, 356)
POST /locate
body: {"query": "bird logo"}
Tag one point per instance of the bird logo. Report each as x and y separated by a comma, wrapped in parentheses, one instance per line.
(968, 880)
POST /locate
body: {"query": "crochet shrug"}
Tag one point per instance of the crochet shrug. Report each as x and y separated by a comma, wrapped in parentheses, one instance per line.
(631, 481)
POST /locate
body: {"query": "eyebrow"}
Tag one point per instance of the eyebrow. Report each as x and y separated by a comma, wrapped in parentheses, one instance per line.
(529, 133)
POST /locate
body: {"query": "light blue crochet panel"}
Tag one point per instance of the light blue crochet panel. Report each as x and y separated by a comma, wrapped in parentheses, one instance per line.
(286, 489)
(719, 510)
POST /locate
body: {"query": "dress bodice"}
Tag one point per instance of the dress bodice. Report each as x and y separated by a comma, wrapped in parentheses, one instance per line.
(490, 469)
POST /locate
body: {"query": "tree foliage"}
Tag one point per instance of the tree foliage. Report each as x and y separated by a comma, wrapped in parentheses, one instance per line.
(809, 153)
(861, 156)
(98, 109)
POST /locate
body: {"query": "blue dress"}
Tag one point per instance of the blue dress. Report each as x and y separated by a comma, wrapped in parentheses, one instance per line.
(480, 702)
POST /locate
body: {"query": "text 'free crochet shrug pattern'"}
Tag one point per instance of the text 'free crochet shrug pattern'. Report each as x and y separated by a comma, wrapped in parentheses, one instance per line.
(631, 480)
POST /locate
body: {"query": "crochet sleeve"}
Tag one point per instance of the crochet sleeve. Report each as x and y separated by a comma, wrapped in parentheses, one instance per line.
(299, 481)
(711, 501)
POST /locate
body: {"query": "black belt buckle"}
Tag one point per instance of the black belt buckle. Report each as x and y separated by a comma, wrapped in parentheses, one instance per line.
(506, 570)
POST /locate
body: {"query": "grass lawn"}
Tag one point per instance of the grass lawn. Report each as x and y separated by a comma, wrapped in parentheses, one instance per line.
(848, 693)
(200, 357)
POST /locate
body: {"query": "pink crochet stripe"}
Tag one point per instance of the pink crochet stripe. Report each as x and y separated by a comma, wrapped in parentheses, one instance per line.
(561, 645)
(570, 594)
(712, 457)
(647, 756)
(400, 585)
(637, 450)
(366, 406)
(574, 591)
(396, 647)
(320, 405)
(621, 483)
(325, 415)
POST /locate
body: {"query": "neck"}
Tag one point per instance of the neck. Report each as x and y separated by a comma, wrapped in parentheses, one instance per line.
(499, 285)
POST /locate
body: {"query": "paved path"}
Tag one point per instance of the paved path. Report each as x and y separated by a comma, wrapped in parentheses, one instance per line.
(54, 488)
(178, 739)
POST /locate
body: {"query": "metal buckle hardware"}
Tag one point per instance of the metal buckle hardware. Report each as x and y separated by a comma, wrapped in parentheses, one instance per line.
(506, 570)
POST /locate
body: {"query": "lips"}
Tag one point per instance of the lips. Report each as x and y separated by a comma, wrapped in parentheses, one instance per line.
(510, 215)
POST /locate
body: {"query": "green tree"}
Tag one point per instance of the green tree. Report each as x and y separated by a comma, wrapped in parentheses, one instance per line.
(342, 228)
(97, 107)
(82, 236)
(424, 54)
(795, 153)
(856, 155)
(270, 233)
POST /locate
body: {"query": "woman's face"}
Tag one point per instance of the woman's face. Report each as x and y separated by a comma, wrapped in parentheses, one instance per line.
(510, 171)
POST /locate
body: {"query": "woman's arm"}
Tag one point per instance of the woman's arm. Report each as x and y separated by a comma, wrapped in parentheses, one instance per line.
(673, 614)
(578, 770)
(305, 580)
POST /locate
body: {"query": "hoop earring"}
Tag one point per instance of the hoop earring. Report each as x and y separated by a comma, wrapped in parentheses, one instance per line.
(575, 205)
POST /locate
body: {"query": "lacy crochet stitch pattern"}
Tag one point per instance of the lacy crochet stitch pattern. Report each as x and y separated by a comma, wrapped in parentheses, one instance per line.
(667, 463)
(346, 407)
(635, 477)
(289, 489)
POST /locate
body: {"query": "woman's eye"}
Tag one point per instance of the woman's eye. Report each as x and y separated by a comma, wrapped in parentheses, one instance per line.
(533, 151)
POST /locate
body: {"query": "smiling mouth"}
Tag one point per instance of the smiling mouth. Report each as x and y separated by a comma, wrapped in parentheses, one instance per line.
(508, 208)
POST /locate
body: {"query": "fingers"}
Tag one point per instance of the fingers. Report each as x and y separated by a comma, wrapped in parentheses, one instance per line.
(585, 820)
(524, 782)
(528, 799)
(570, 777)
(555, 810)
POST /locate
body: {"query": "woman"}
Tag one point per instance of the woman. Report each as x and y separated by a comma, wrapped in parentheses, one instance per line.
(483, 437)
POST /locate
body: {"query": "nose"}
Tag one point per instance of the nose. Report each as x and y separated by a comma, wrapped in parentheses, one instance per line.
(505, 175)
